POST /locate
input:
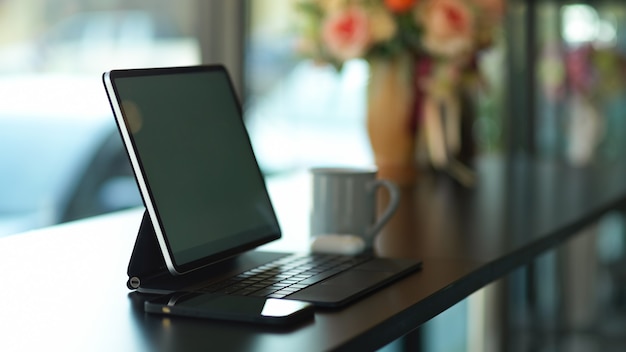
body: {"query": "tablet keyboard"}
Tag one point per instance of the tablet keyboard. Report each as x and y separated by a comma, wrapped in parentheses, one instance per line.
(285, 276)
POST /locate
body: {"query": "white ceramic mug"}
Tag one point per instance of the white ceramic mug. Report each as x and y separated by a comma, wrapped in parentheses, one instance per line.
(344, 202)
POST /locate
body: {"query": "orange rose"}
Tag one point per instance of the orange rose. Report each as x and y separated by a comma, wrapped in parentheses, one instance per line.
(346, 33)
(399, 5)
(448, 27)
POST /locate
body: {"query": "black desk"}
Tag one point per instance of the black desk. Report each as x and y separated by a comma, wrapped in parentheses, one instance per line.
(63, 287)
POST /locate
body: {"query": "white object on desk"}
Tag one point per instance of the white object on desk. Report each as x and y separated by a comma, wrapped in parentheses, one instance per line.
(338, 244)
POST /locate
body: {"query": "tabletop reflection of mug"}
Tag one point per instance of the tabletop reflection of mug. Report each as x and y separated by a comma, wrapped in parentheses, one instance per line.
(344, 202)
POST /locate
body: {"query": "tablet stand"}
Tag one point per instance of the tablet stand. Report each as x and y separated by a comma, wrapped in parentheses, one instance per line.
(146, 259)
(147, 267)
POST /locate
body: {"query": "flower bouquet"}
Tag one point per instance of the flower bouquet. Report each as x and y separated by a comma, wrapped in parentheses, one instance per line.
(422, 54)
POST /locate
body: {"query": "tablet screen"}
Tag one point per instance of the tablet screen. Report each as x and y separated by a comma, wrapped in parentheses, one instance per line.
(194, 159)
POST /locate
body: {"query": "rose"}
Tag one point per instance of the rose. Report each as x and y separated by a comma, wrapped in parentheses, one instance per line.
(346, 33)
(399, 5)
(448, 27)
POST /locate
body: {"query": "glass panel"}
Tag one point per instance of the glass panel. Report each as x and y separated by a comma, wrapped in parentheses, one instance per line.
(60, 156)
(581, 93)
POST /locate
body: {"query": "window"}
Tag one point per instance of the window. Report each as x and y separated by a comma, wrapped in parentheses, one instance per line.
(580, 81)
(60, 156)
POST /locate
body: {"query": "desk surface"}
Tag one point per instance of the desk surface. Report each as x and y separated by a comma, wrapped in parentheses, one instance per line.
(63, 287)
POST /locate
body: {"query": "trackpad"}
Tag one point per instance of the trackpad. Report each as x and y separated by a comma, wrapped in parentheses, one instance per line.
(358, 278)
(343, 286)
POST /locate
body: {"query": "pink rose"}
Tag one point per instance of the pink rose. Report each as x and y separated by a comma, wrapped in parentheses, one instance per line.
(346, 33)
(448, 27)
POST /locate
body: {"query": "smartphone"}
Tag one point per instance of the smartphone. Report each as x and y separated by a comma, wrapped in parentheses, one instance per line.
(234, 308)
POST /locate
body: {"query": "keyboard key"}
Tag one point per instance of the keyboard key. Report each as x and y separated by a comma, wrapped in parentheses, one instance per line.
(319, 277)
(263, 292)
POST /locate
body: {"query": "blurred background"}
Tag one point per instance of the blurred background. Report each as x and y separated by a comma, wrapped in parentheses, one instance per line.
(556, 78)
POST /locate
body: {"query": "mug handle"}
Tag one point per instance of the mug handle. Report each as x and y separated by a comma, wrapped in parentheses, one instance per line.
(394, 200)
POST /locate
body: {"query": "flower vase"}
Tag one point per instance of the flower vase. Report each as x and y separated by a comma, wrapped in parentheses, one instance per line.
(390, 118)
